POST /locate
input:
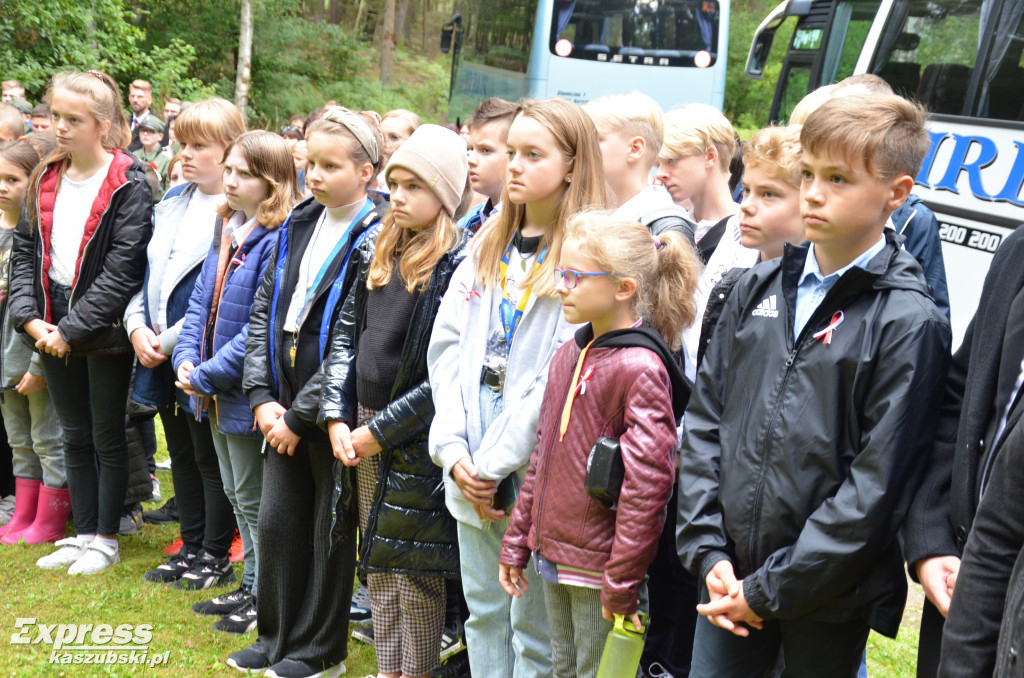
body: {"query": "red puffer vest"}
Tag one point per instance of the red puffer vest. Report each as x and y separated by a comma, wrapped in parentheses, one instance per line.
(629, 396)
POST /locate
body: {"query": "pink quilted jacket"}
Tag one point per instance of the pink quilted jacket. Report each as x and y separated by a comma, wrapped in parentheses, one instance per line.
(628, 396)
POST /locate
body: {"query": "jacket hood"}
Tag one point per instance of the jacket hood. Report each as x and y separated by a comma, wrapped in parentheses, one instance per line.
(643, 336)
(891, 269)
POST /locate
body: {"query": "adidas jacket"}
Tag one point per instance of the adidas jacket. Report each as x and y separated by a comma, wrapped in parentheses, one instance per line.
(800, 458)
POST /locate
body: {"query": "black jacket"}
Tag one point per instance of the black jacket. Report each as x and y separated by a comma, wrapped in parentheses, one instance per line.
(111, 269)
(943, 511)
(410, 530)
(800, 459)
(264, 377)
(984, 634)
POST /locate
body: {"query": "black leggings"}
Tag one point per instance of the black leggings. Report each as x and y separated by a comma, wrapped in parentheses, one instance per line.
(207, 519)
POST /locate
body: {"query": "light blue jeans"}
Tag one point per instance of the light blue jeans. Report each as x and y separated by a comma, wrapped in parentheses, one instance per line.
(34, 435)
(506, 637)
(241, 469)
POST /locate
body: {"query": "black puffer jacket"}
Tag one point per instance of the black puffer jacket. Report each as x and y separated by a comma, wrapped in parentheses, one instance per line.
(410, 530)
(800, 458)
(110, 271)
(263, 378)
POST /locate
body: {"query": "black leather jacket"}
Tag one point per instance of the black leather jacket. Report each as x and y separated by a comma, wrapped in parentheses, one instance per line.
(410, 530)
(111, 269)
(800, 458)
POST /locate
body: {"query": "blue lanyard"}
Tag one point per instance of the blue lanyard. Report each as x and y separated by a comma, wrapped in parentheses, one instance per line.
(511, 316)
(341, 244)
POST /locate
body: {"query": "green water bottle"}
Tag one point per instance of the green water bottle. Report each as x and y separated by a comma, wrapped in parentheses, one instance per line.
(622, 650)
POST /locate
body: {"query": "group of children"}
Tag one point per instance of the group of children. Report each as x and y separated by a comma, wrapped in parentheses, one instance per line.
(399, 374)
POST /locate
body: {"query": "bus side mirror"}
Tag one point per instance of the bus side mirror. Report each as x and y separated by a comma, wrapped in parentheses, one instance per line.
(448, 33)
(446, 38)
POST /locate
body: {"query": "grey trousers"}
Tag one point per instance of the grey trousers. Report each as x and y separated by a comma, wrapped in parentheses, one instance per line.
(34, 435)
(578, 632)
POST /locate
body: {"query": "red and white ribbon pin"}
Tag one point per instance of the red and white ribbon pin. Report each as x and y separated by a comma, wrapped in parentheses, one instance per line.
(588, 374)
(466, 293)
(826, 334)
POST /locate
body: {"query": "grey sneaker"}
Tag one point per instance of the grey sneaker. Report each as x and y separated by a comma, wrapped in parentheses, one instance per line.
(6, 509)
(131, 520)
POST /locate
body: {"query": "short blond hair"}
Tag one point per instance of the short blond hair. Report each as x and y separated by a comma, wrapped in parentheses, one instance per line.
(144, 85)
(778, 150)
(810, 103)
(631, 115)
(885, 132)
(213, 119)
(693, 129)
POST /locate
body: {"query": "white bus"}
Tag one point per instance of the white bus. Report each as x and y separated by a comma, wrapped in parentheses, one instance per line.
(963, 60)
(672, 50)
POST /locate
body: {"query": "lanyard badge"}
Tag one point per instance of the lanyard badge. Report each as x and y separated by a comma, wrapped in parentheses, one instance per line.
(511, 316)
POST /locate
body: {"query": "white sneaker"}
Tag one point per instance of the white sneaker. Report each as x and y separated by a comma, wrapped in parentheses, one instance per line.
(156, 497)
(97, 558)
(71, 549)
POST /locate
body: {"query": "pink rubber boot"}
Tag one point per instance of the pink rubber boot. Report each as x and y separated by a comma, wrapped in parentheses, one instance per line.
(26, 499)
(51, 516)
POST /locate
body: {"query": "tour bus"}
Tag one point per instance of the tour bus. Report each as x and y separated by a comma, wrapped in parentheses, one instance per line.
(963, 60)
(672, 50)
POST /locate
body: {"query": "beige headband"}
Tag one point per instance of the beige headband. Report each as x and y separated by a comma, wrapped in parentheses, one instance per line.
(360, 130)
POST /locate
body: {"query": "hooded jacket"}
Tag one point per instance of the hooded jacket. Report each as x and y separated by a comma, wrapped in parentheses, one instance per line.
(410, 530)
(636, 393)
(800, 458)
(213, 338)
(263, 379)
(110, 266)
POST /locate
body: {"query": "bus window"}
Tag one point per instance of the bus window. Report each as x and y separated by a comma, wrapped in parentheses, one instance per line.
(796, 80)
(666, 33)
(1001, 91)
(928, 51)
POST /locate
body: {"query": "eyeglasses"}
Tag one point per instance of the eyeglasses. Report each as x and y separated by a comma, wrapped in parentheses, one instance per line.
(289, 128)
(571, 278)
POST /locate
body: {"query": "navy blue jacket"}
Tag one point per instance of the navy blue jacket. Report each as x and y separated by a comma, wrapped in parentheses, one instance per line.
(920, 230)
(218, 372)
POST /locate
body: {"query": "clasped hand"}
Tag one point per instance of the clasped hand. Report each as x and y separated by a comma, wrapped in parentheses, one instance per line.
(728, 607)
(350, 446)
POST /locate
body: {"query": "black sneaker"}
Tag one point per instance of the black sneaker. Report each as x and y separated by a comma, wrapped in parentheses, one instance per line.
(171, 571)
(252, 658)
(206, 572)
(226, 604)
(131, 519)
(294, 668)
(168, 513)
(364, 635)
(359, 612)
(239, 622)
(457, 666)
(451, 642)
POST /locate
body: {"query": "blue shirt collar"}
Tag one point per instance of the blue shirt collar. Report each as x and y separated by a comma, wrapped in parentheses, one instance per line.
(811, 263)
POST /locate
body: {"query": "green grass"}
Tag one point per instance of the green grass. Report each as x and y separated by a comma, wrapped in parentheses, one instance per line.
(121, 596)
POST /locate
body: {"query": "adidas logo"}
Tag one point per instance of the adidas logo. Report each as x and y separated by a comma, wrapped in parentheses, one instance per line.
(766, 309)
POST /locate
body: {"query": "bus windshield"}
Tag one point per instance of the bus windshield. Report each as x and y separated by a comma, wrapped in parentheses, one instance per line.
(650, 32)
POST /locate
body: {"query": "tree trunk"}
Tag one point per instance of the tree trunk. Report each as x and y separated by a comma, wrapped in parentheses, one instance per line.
(359, 18)
(387, 52)
(402, 22)
(243, 70)
(423, 23)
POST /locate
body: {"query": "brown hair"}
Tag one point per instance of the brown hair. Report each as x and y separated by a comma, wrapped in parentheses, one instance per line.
(493, 110)
(12, 120)
(353, 148)
(211, 120)
(43, 142)
(21, 154)
(105, 105)
(665, 268)
(576, 136)
(144, 85)
(868, 82)
(778, 149)
(269, 159)
(886, 132)
(419, 252)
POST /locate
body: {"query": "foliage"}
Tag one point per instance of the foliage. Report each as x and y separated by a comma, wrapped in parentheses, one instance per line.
(748, 101)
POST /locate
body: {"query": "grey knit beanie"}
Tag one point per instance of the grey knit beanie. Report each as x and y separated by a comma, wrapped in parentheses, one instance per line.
(438, 157)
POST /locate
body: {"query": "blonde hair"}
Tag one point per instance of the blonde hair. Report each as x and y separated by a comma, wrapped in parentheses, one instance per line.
(778, 150)
(144, 85)
(693, 129)
(268, 158)
(408, 117)
(418, 251)
(810, 103)
(665, 268)
(12, 121)
(105, 105)
(631, 115)
(353, 147)
(576, 137)
(211, 120)
(885, 132)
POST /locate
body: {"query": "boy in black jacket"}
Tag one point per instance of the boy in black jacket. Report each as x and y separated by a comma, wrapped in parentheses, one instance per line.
(812, 416)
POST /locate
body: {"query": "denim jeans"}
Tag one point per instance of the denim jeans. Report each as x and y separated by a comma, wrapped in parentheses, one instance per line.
(506, 637)
(241, 469)
(35, 438)
(90, 395)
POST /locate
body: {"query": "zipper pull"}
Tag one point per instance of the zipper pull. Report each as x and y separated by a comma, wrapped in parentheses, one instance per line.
(792, 357)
